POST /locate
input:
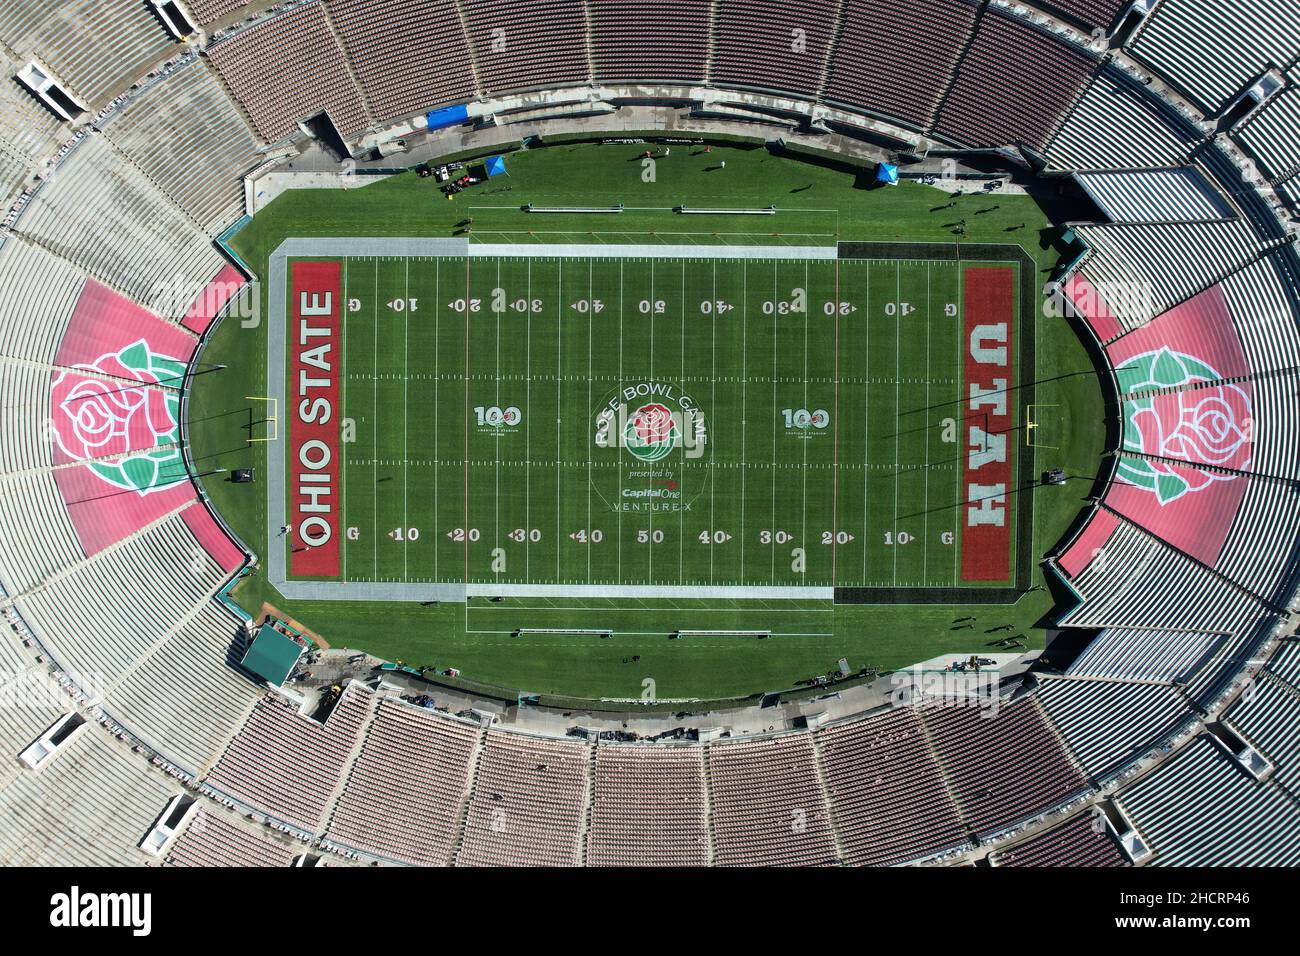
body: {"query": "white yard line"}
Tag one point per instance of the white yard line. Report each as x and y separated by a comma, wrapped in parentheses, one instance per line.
(925, 431)
(374, 425)
(776, 298)
(713, 403)
(744, 384)
(343, 324)
(898, 349)
(528, 410)
(559, 417)
(406, 418)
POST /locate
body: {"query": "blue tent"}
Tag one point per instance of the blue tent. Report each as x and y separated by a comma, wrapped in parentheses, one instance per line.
(887, 173)
(496, 166)
(451, 116)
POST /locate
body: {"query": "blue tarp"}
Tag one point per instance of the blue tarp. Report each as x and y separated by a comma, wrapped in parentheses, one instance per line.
(887, 173)
(496, 166)
(450, 116)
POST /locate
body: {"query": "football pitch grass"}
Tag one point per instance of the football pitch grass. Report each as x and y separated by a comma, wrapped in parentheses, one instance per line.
(899, 628)
(499, 414)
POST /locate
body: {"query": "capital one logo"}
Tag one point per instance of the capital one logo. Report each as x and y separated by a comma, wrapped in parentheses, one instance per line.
(74, 909)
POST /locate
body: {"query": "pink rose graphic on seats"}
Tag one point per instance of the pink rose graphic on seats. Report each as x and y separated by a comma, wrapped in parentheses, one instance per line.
(1209, 426)
(95, 418)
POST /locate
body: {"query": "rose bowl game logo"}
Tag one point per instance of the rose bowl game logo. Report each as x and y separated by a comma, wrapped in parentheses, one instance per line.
(651, 432)
(1209, 425)
(662, 430)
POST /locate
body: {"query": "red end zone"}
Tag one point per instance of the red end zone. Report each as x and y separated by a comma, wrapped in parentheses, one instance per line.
(314, 419)
(986, 514)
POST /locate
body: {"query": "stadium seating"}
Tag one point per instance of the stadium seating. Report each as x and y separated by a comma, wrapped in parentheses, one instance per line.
(1267, 715)
(645, 40)
(251, 62)
(887, 793)
(1121, 654)
(29, 133)
(1032, 77)
(648, 807)
(1109, 724)
(91, 618)
(40, 538)
(408, 59)
(209, 11)
(1155, 195)
(1212, 51)
(528, 803)
(984, 755)
(24, 411)
(96, 47)
(928, 35)
(91, 805)
(776, 46)
(405, 793)
(1132, 580)
(525, 44)
(184, 699)
(286, 765)
(103, 215)
(1083, 840)
(1272, 135)
(1089, 13)
(38, 293)
(1157, 266)
(211, 839)
(212, 147)
(769, 806)
(1200, 808)
(1118, 124)
(119, 230)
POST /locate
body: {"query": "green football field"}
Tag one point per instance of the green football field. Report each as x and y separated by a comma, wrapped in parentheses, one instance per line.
(668, 422)
(407, 395)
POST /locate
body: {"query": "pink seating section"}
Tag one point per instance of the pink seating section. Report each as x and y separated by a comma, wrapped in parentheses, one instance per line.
(410, 56)
(1032, 78)
(643, 40)
(774, 44)
(984, 758)
(522, 44)
(879, 36)
(204, 310)
(212, 538)
(1101, 525)
(891, 802)
(211, 839)
(405, 792)
(1196, 521)
(1088, 302)
(103, 514)
(1091, 13)
(527, 807)
(649, 807)
(1200, 328)
(768, 809)
(210, 11)
(288, 69)
(287, 765)
(1082, 841)
(104, 323)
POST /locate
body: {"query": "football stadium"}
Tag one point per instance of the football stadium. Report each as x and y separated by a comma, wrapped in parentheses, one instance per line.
(679, 433)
